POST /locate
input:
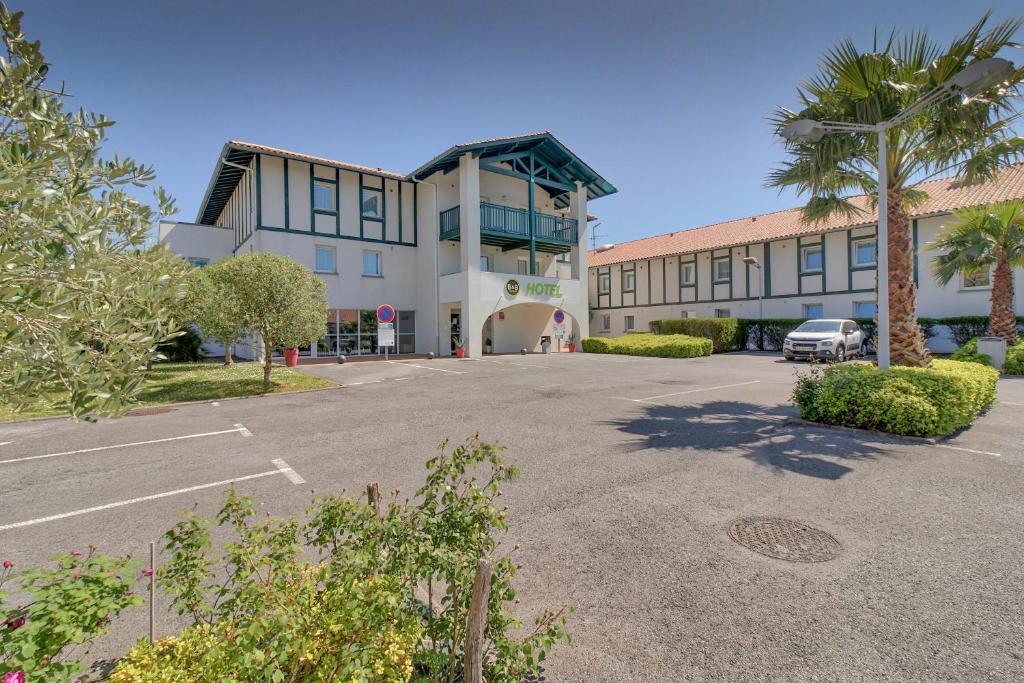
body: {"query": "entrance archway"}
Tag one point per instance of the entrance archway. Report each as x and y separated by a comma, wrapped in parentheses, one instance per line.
(525, 325)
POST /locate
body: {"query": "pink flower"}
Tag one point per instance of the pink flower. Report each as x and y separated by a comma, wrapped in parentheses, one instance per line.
(8, 564)
(75, 553)
(14, 677)
(14, 622)
(148, 571)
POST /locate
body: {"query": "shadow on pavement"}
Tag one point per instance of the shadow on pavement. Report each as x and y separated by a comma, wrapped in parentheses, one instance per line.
(755, 431)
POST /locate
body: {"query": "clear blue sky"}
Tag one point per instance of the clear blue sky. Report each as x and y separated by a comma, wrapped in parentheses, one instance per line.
(666, 99)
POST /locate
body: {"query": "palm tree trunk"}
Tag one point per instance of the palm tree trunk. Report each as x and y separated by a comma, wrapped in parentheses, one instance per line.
(1002, 322)
(906, 341)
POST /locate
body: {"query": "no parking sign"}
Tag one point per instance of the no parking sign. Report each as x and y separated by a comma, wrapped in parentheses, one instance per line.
(559, 316)
(385, 313)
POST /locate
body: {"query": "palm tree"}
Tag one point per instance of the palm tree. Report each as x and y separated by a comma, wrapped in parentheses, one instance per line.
(971, 138)
(986, 236)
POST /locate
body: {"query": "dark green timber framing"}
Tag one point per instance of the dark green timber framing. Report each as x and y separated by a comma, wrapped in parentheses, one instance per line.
(664, 282)
(767, 269)
(914, 224)
(314, 212)
(287, 211)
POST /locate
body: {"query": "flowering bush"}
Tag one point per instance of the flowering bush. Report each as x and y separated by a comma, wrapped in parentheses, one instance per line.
(380, 596)
(68, 605)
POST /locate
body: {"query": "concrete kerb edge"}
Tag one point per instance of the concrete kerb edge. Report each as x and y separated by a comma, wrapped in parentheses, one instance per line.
(186, 403)
(800, 422)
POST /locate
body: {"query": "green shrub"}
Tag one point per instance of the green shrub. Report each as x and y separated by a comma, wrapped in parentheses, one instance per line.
(911, 401)
(965, 327)
(60, 610)
(646, 344)
(350, 592)
(1014, 364)
(726, 334)
(185, 348)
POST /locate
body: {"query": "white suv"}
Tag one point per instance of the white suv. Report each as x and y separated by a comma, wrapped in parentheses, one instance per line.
(834, 340)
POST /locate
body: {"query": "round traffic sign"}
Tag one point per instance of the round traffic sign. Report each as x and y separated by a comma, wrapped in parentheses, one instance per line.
(385, 313)
(559, 317)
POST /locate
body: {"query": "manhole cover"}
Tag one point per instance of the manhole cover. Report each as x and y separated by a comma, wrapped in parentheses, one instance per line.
(136, 412)
(784, 539)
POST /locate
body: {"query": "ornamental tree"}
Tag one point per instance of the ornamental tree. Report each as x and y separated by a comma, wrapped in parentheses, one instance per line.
(216, 310)
(986, 237)
(971, 137)
(83, 301)
(280, 300)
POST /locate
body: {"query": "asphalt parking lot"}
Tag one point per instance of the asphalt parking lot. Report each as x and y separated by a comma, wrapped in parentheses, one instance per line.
(633, 470)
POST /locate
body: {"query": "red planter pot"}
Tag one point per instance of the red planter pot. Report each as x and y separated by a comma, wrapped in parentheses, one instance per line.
(572, 348)
(291, 357)
(460, 353)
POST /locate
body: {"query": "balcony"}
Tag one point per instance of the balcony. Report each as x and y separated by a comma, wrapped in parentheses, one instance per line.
(509, 228)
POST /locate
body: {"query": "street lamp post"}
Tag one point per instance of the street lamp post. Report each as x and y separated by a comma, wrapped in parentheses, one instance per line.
(751, 261)
(976, 77)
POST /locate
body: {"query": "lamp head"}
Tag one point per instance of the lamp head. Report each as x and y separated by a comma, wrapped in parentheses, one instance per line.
(751, 261)
(803, 130)
(981, 75)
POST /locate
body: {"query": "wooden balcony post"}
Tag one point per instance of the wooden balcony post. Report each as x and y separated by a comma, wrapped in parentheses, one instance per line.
(533, 222)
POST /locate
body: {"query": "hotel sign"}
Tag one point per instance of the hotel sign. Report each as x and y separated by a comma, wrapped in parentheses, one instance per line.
(544, 290)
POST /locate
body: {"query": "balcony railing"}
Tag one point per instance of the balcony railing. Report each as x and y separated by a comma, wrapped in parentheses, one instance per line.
(507, 221)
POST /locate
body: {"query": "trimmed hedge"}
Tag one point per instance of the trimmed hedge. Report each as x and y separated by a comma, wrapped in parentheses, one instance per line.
(931, 401)
(726, 334)
(964, 328)
(1014, 364)
(645, 344)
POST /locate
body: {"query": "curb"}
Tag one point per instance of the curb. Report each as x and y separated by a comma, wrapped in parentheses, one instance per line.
(180, 403)
(800, 422)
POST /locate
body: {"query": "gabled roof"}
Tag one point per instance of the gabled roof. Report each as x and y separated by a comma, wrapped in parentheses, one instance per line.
(944, 196)
(542, 143)
(237, 153)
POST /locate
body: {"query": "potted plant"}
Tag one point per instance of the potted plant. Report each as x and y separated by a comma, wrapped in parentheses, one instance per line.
(487, 345)
(291, 357)
(572, 343)
(460, 347)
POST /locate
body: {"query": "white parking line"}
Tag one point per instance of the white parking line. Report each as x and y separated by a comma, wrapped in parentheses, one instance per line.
(5, 443)
(650, 399)
(427, 367)
(155, 496)
(521, 365)
(1005, 403)
(238, 428)
(287, 471)
(968, 450)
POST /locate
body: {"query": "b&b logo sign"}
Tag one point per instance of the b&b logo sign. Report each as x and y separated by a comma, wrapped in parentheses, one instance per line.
(538, 289)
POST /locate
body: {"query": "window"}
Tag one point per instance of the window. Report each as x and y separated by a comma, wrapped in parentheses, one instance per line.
(686, 273)
(811, 258)
(373, 203)
(485, 264)
(371, 263)
(630, 323)
(814, 311)
(865, 309)
(352, 332)
(628, 281)
(723, 270)
(325, 260)
(197, 261)
(523, 266)
(980, 278)
(604, 283)
(684, 314)
(323, 196)
(606, 322)
(865, 253)
(563, 258)
(721, 312)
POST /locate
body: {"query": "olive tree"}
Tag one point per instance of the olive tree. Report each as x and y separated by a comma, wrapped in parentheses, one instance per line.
(84, 299)
(280, 300)
(217, 312)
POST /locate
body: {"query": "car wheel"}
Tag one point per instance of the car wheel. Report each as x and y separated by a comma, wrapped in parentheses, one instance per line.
(863, 350)
(840, 353)
(787, 357)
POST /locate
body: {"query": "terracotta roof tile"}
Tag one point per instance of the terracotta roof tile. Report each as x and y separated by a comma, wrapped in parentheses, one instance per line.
(944, 196)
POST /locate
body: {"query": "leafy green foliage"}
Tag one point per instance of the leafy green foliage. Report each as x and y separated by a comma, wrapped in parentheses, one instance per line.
(83, 301)
(645, 344)
(1014, 364)
(973, 136)
(726, 334)
(185, 348)
(278, 299)
(68, 605)
(963, 328)
(375, 597)
(910, 401)
(981, 237)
